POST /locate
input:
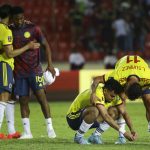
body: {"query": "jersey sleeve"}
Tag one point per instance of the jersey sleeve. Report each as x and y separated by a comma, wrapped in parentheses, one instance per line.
(100, 95)
(39, 34)
(8, 38)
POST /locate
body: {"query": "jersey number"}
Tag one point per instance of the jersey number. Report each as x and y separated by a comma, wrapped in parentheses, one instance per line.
(135, 59)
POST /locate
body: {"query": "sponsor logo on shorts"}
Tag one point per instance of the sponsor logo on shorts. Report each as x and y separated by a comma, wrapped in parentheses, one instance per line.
(10, 85)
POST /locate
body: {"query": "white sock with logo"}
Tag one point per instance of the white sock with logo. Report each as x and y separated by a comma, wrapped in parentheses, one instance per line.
(10, 116)
(103, 126)
(121, 122)
(84, 127)
(2, 109)
(49, 124)
(26, 125)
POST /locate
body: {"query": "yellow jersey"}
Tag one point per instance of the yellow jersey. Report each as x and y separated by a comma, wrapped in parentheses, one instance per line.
(83, 100)
(130, 65)
(5, 39)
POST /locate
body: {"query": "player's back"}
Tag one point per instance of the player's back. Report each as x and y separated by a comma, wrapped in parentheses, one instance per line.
(131, 65)
(131, 60)
(5, 39)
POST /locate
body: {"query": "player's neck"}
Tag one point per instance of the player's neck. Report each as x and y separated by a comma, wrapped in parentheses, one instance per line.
(5, 21)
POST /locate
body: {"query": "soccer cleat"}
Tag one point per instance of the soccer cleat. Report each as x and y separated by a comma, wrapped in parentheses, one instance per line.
(15, 135)
(3, 136)
(80, 140)
(51, 133)
(26, 136)
(95, 139)
(121, 140)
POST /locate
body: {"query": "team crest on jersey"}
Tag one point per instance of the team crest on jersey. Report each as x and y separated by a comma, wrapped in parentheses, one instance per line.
(9, 38)
(27, 34)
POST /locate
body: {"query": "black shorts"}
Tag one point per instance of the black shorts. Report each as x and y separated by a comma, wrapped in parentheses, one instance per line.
(74, 123)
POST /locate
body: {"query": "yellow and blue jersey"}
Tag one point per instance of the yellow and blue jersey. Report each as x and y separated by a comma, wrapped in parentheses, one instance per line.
(130, 65)
(5, 39)
(83, 100)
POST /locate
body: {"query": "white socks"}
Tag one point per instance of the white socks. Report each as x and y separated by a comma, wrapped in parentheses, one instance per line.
(2, 109)
(84, 127)
(102, 128)
(10, 116)
(26, 125)
(49, 124)
(122, 124)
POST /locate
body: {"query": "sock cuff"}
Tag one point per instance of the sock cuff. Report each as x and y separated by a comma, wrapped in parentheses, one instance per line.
(11, 102)
(3, 103)
(48, 120)
(25, 119)
(121, 121)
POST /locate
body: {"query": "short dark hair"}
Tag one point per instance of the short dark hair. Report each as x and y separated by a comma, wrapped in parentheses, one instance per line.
(17, 10)
(134, 91)
(5, 11)
(113, 85)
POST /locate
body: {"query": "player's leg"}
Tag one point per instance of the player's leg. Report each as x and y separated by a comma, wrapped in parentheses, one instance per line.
(10, 117)
(42, 99)
(6, 81)
(25, 112)
(146, 101)
(22, 89)
(121, 139)
(113, 112)
(36, 83)
(103, 126)
(89, 116)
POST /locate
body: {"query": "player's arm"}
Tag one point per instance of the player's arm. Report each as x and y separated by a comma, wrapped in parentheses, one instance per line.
(47, 48)
(124, 113)
(10, 53)
(146, 101)
(104, 113)
(96, 81)
(44, 43)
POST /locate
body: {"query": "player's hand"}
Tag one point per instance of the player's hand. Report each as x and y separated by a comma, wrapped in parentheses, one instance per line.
(33, 45)
(52, 70)
(129, 136)
(134, 134)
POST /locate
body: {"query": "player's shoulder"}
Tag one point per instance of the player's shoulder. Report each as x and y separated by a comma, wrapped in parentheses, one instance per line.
(29, 23)
(4, 27)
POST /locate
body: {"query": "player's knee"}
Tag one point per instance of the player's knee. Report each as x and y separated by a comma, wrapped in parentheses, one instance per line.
(113, 112)
(94, 112)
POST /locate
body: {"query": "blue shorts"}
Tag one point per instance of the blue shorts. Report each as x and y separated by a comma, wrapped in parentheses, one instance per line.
(6, 78)
(74, 124)
(146, 91)
(22, 86)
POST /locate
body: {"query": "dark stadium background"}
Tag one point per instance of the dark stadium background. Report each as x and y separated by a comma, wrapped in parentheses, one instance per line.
(91, 34)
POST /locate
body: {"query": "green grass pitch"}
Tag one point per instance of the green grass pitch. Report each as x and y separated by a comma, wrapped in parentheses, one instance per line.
(64, 140)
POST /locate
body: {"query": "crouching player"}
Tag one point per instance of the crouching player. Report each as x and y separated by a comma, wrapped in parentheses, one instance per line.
(82, 115)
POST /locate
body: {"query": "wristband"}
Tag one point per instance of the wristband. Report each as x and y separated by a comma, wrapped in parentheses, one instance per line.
(122, 131)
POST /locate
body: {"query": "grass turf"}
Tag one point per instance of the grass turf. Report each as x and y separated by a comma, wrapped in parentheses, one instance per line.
(64, 140)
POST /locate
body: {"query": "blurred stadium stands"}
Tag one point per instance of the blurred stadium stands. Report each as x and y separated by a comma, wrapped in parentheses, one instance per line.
(53, 16)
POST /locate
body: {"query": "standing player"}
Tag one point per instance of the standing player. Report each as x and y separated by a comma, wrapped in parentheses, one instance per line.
(134, 74)
(6, 60)
(28, 71)
(82, 116)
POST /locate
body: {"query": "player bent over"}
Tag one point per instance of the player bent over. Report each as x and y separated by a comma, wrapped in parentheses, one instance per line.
(133, 73)
(82, 115)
